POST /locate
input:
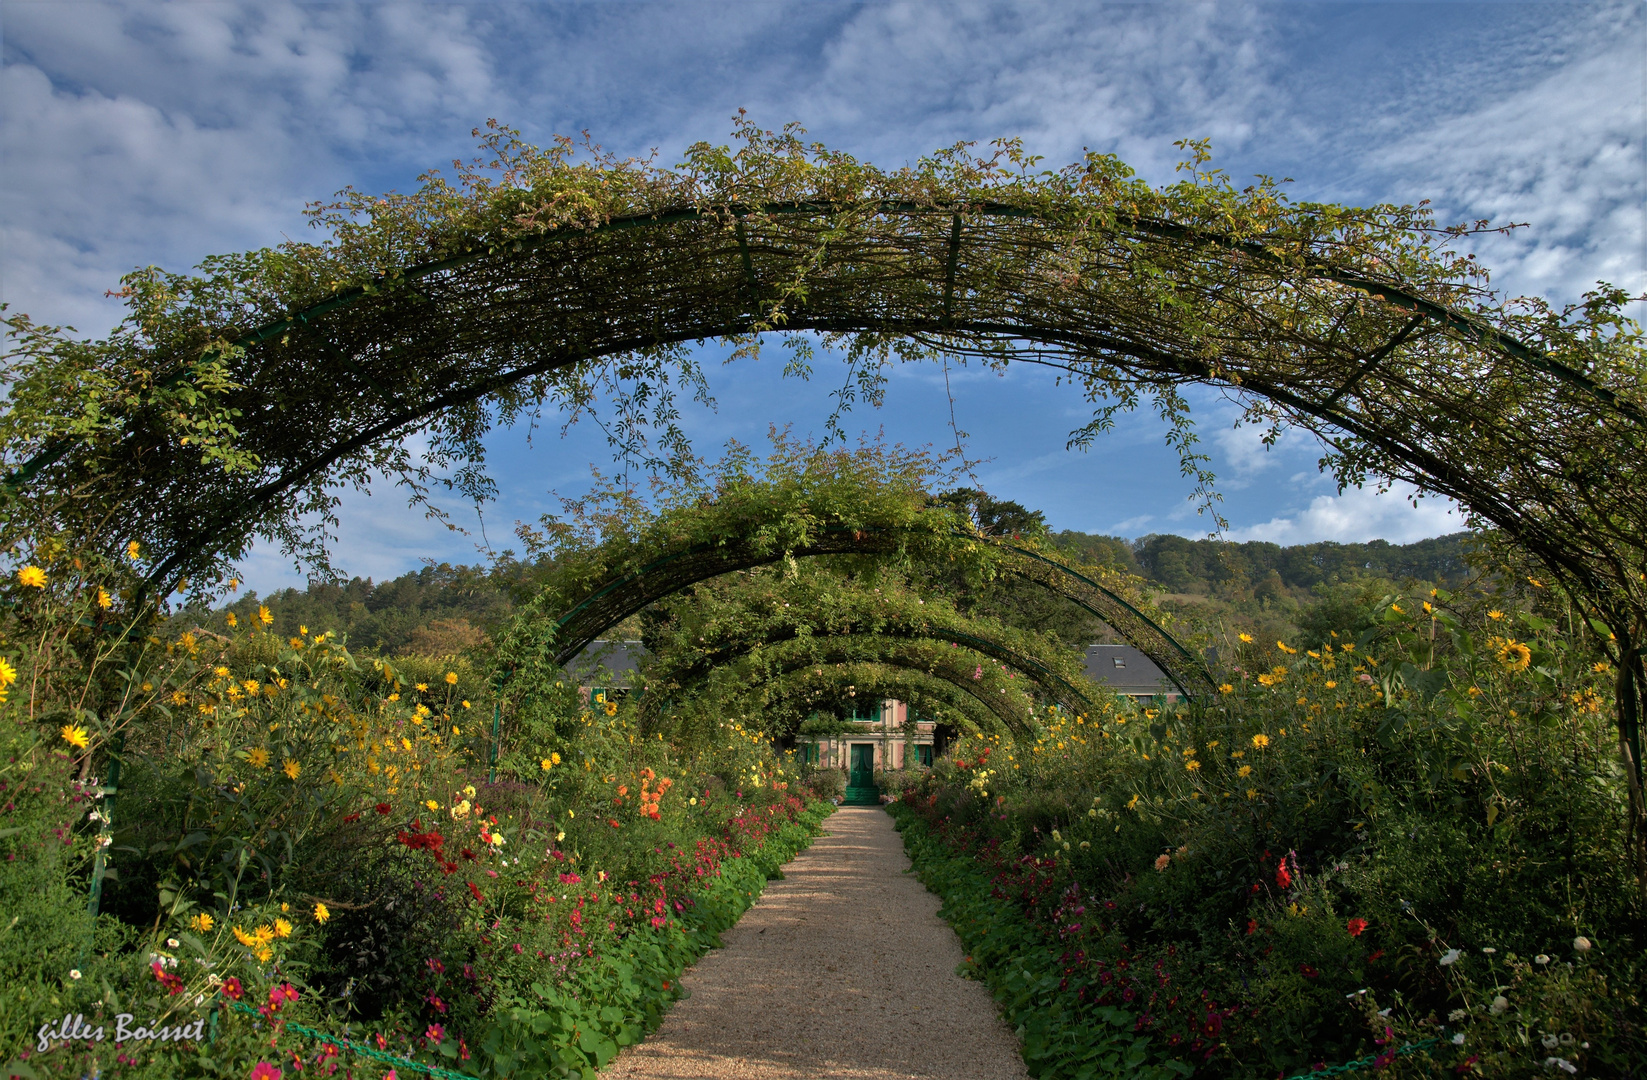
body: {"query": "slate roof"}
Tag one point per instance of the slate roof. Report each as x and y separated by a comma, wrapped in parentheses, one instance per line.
(1126, 670)
(1121, 667)
(619, 659)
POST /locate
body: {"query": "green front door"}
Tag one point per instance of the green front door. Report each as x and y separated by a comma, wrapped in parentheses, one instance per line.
(863, 766)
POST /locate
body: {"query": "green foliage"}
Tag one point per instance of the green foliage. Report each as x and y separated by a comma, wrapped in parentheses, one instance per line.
(1418, 821)
(291, 814)
(1061, 1034)
(1224, 568)
(440, 610)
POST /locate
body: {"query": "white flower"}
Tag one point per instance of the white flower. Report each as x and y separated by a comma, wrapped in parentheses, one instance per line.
(1500, 1005)
(1450, 957)
(1541, 959)
(1550, 1042)
(1456, 1015)
(1489, 950)
(1560, 1063)
(171, 943)
(1458, 1040)
(1581, 944)
(74, 973)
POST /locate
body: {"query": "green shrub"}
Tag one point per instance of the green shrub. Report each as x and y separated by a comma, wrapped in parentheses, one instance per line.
(1351, 848)
(826, 783)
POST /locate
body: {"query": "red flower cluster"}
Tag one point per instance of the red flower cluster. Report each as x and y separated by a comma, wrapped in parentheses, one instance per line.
(172, 983)
(432, 842)
(279, 996)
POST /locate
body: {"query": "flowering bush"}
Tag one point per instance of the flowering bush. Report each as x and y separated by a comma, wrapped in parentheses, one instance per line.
(315, 834)
(1354, 847)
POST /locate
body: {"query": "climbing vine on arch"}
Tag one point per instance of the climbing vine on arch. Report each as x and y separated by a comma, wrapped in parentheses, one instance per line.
(234, 402)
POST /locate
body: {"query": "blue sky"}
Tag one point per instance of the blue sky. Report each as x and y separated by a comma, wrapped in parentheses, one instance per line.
(160, 133)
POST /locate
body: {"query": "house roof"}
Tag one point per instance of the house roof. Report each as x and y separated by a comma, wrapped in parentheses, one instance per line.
(608, 664)
(1125, 670)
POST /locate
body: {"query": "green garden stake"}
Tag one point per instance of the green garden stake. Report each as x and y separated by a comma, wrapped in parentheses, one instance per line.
(100, 860)
(497, 719)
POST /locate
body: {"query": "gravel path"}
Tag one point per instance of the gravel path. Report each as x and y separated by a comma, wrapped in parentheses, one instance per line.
(841, 969)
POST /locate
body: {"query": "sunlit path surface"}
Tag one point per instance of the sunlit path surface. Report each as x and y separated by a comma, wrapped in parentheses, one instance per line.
(842, 969)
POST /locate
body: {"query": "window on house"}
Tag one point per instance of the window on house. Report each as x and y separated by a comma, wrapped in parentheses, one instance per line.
(923, 754)
(1118, 661)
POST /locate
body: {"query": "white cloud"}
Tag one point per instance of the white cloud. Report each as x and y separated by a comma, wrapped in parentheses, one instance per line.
(1358, 515)
(1564, 154)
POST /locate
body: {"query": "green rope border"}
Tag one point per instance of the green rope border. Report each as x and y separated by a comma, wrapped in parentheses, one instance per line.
(1362, 1063)
(355, 1048)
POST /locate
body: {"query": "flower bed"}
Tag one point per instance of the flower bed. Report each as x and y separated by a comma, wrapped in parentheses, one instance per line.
(1342, 857)
(313, 837)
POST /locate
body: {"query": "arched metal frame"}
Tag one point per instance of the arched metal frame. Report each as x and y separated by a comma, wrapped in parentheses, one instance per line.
(389, 308)
(1061, 690)
(368, 364)
(614, 600)
(904, 653)
(961, 699)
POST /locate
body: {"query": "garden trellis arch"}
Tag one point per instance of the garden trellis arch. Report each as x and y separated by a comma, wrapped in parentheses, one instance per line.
(980, 646)
(303, 367)
(880, 678)
(611, 601)
(1007, 702)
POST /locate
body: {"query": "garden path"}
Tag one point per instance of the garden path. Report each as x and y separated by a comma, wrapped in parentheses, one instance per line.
(842, 969)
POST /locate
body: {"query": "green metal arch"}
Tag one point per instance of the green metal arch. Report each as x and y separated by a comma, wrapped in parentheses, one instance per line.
(386, 287)
(615, 599)
(900, 653)
(1065, 693)
(952, 696)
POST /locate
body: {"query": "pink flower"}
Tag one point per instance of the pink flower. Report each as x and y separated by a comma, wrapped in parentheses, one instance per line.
(435, 1033)
(232, 988)
(264, 1071)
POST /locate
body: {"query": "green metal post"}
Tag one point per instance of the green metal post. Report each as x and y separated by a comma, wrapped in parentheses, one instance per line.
(100, 860)
(497, 720)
